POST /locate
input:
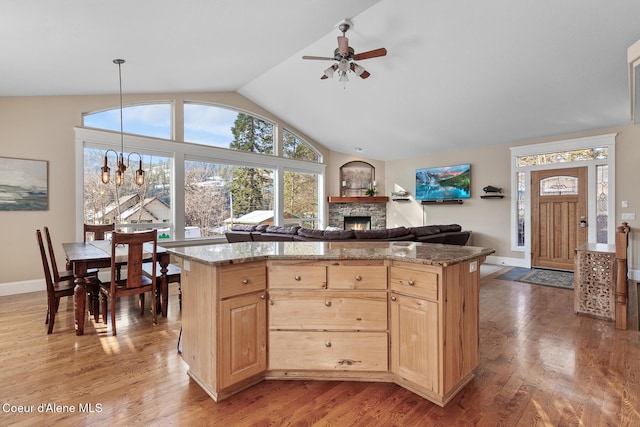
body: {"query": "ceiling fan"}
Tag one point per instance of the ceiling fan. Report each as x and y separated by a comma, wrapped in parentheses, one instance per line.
(345, 57)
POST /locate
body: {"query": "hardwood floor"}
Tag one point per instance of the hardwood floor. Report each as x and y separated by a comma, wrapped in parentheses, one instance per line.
(540, 365)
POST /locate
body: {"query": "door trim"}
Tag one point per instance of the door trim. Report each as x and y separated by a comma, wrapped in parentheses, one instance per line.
(605, 140)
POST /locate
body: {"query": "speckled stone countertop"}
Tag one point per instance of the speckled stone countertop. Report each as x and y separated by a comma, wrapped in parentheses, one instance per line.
(415, 252)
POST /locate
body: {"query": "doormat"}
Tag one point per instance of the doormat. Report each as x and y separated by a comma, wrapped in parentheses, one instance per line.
(539, 276)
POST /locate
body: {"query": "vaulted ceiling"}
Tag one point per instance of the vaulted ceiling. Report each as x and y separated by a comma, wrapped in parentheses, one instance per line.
(458, 74)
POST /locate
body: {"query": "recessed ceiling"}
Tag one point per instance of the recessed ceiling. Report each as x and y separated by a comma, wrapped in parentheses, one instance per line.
(457, 74)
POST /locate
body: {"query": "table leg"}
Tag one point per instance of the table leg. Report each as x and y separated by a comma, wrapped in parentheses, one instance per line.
(80, 298)
(164, 286)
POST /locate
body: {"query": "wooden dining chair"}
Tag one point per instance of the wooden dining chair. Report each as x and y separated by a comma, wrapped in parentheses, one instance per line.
(92, 284)
(55, 289)
(173, 276)
(136, 282)
(97, 231)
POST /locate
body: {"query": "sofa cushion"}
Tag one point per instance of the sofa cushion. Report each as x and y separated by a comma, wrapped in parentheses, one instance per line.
(424, 230)
(275, 229)
(338, 235)
(397, 232)
(310, 233)
(371, 234)
(243, 227)
(449, 228)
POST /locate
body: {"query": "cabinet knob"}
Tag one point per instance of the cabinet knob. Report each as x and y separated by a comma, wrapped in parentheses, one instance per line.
(245, 281)
(358, 278)
(297, 278)
(327, 344)
(410, 282)
(263, 296)
(327, 303)
(393, 298)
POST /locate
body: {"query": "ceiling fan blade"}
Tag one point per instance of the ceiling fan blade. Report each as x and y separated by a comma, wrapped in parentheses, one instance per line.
(343, 45)
(359, 71)
(370, 54)
(323, 58)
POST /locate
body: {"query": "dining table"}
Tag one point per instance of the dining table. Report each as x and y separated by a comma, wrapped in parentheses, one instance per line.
(83, 256)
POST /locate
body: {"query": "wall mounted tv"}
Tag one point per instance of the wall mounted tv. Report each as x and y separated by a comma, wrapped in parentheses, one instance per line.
(444, 183)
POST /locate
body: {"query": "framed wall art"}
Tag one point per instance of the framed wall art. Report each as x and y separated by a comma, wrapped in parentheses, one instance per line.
(24, 184)
(356, 178)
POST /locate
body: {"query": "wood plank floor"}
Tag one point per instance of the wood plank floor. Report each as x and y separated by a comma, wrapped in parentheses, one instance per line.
(540, 365)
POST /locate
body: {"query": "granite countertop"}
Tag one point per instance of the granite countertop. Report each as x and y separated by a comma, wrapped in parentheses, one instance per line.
(414, 252)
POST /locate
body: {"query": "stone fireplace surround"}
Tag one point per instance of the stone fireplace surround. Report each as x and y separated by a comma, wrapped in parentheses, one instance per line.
(377, 212)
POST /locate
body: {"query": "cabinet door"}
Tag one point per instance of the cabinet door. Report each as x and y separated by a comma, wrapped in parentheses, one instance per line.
(414, 340)
(242, 348)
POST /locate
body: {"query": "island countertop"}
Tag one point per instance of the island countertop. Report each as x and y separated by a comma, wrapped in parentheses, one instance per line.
(413, 252)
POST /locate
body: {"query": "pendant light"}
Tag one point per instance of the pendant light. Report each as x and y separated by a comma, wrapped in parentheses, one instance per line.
(106, 170)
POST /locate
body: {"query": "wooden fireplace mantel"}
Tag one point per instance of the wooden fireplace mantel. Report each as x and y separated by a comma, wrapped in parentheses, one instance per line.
(361, 199)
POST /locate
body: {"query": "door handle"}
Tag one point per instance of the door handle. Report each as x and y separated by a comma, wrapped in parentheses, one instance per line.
(583, 222)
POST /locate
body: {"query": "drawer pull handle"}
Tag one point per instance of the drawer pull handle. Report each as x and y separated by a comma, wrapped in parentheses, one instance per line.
(297, 278)
(327, 303)
(393, 298)
(358, 278)
(245, 281)
(327, 344)
(410, 282)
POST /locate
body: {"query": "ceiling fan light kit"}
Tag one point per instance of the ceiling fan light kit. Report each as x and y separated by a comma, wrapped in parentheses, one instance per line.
(345, 57)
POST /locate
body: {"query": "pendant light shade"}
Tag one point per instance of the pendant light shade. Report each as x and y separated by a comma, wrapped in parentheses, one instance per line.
(106, 170)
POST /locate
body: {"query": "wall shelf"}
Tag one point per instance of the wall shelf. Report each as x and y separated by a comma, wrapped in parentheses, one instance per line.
(358, 199)
(492, 196)
(400, 199)
(443, 202)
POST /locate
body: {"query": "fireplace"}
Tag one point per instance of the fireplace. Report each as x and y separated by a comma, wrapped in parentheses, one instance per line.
(357, 223)
(375, 212)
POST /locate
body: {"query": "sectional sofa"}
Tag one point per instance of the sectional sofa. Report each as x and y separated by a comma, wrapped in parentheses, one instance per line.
(451, 234)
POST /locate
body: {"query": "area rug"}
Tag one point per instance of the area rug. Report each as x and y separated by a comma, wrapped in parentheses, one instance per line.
(539, 276)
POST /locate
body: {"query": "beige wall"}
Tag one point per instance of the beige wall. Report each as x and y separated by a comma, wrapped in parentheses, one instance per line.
(42, 128)
(489, 220)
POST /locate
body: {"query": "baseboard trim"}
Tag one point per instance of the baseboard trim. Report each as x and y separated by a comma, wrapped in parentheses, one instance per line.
(14, 288)
(506, 261)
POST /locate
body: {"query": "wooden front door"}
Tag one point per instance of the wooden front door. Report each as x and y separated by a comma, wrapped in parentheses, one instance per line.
(559, 216)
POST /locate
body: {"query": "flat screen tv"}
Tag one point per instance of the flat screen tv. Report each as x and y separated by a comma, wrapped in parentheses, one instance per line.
(444, 183)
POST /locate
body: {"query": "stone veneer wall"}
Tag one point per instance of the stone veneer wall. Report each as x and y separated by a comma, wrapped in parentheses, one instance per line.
(377, 212)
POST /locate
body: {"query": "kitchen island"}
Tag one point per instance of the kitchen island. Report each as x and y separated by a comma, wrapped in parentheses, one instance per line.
(402, 312)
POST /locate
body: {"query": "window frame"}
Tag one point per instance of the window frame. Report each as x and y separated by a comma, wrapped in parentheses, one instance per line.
(181, 151)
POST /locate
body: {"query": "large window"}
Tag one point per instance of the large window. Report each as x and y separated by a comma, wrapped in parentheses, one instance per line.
(143, 119)
(199, 189)
(141, 207)
(218, 195)
(226, 128)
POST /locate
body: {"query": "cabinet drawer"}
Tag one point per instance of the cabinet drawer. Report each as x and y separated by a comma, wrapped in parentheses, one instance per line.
(415, 282)
(242, 278)
(328, 310)
(357, 277)
(342, 351)
(297, 276)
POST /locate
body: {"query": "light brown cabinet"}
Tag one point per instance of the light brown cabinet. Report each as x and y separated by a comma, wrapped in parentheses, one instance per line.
(379, 319)
(224, 325)
(334, 321)
(243, 338)
(434, 327)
